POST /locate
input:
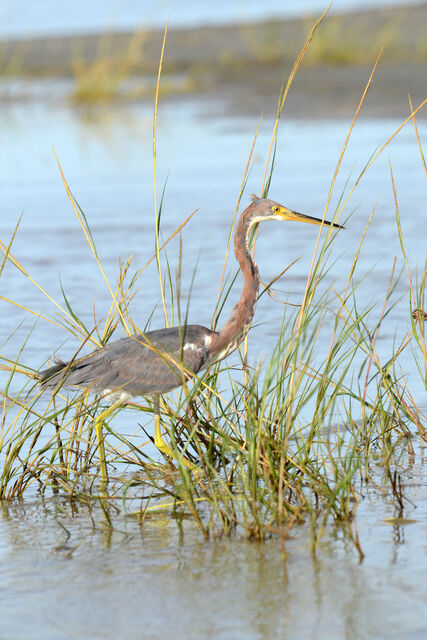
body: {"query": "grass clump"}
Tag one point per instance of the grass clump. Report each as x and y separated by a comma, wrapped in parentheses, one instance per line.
(291, 439)
(105, 78)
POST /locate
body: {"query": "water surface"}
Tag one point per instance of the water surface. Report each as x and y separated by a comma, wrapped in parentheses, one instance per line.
(133, 582)
(153, 582)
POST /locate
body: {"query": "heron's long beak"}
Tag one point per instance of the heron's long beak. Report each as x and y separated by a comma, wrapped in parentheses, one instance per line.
(288, 214)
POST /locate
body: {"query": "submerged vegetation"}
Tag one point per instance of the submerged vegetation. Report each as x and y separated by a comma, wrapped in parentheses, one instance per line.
(291, 439)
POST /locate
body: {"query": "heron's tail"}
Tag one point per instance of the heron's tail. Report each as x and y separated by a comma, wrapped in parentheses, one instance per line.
(51, 378)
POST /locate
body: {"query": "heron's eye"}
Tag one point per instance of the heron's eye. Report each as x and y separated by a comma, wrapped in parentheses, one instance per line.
(275, 209)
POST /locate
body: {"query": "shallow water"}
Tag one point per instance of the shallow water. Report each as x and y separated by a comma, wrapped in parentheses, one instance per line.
(67, 575)
(132, 582)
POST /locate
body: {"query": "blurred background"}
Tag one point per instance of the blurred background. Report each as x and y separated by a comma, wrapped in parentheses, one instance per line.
(47, 17)
(239, 51)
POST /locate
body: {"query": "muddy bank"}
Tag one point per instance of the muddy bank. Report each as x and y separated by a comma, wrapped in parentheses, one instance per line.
(246, 63)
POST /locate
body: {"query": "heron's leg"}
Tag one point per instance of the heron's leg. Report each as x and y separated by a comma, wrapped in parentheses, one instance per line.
(160, 443)
(101, 450)
(99, 421)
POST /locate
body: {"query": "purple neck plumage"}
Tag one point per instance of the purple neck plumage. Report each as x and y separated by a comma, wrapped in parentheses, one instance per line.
(234, 331)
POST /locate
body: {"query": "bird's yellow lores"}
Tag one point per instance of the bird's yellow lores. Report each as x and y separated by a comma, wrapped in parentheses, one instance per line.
(158, 361)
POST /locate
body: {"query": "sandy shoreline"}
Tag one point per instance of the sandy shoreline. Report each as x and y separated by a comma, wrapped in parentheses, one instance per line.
(245, 64)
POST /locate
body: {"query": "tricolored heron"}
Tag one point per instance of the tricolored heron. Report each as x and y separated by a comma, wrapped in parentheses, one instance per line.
(158, 361)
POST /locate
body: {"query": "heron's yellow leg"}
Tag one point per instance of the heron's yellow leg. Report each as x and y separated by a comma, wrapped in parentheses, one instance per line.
(99, 421)
(101, 450)
(161, 444)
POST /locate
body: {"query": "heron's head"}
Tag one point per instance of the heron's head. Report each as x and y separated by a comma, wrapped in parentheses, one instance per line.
(263, 209)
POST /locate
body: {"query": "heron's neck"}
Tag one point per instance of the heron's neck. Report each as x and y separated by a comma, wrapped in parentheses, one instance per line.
(234, 331)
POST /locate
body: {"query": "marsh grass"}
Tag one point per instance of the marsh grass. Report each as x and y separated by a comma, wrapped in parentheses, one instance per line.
(340, 41)
(282, 441)
(107, 77)
(126, 76)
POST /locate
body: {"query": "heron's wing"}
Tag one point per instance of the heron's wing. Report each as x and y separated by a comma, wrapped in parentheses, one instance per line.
(157, 361)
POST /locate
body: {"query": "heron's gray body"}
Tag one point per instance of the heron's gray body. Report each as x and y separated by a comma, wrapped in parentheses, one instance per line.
(153, 362)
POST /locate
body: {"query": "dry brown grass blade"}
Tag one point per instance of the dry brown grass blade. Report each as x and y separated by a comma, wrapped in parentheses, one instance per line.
(399, 227)
(286, 90)
(88, 239)
(63, 314)
(267, 287)
(423, 160)
(28, 310)
(156, 210)
(379, 152)
(5, 249)
(344, 147)
(177, 230)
